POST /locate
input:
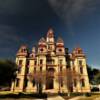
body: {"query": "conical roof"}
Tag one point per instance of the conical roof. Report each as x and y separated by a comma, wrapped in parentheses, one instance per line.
(42, 40)
(60, 40)
(50, 33)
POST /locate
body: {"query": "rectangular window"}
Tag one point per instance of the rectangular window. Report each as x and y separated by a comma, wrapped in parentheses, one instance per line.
(17, 82)
(41, 61)
(61, 82)
(82, 82)
(19, 69)
(34, 69)
(80, 62)
(53, 61)
(75, 82)
(60, 68)
(81, 70)
(35, 62)
(20, 62)
(28, 63)
(60, 62)
(41, 69)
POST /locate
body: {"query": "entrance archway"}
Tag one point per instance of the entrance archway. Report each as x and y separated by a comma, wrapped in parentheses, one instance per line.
(50, 78)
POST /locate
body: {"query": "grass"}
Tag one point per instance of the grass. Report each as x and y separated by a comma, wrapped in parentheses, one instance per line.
(7, 94)
(82, 96)
(92, 97)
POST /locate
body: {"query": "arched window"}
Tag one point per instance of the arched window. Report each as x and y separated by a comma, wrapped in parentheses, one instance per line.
(20, 62)
(75, 82)
(74, 69)
(60, 61)
(53, 61)
(35, 62)
(40, 68)
(61, 81)
(60, 68)
(82, 82)
(80, 62)
(34, 69)
(20, 66)
(17, 82)
(81, 70)
(27, 67)
(41, 61)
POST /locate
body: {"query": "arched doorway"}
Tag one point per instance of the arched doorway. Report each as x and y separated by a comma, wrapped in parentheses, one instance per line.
(50, 78)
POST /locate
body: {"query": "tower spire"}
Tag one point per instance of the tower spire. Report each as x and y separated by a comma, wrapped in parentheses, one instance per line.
(50, 33)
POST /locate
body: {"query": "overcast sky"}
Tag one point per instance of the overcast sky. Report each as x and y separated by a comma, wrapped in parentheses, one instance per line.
(26, 21)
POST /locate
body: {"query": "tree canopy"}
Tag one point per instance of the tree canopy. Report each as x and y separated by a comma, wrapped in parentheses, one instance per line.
(94, 75)
(7, 69)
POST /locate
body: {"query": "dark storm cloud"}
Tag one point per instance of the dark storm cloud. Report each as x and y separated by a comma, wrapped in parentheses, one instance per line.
(19, 6)
(20, 22)
(71, 10)
(8, 38)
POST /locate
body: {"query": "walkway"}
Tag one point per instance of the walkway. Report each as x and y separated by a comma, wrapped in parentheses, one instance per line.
(55, 98)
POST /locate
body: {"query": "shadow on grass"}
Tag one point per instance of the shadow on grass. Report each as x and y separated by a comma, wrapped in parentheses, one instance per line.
(22, 95)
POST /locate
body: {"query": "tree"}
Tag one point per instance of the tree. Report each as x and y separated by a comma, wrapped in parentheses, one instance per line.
(67, 77)
(7, 72)
(94, 75)
(97, 78)
(38, 78)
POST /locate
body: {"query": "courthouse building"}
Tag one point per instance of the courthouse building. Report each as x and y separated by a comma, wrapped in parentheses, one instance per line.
(50, 67)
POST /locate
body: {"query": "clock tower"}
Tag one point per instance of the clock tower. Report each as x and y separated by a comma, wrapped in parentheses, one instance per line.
(50, 40)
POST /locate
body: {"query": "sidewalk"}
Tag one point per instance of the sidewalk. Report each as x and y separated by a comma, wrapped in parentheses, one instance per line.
(76, 98)
(55, 98)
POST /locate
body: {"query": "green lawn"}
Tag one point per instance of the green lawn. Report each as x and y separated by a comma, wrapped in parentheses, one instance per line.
(92, 97)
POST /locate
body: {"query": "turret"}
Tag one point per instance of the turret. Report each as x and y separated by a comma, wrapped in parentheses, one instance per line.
(42, 46)
(50, 36)
(23, 51)
(50, 40)
(60, 50)
(33, 53)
